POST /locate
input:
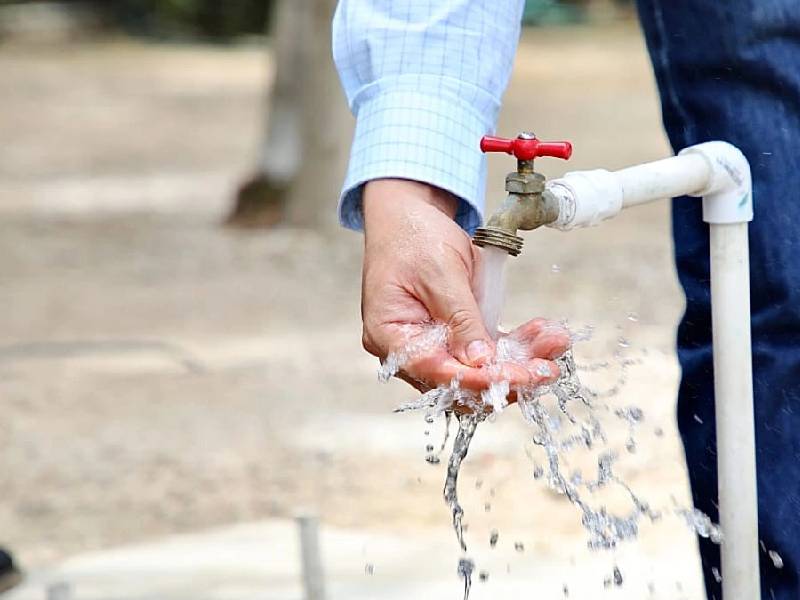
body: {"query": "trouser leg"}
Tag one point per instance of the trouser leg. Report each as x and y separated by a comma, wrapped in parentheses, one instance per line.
(730, 70)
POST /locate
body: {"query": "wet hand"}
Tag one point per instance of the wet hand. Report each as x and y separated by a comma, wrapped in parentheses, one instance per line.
(421, 268)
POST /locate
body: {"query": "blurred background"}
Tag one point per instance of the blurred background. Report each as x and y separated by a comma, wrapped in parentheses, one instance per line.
(180, 365)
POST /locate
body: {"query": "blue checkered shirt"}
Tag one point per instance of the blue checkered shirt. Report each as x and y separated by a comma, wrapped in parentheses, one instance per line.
(424, 79)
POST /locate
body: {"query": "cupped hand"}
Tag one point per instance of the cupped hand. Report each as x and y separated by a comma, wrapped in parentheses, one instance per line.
(420, 268)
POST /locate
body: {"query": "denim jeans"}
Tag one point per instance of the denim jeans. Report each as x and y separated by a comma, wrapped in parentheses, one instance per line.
(730, 70)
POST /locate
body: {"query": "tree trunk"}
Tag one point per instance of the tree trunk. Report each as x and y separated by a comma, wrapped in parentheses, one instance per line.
(303, 157)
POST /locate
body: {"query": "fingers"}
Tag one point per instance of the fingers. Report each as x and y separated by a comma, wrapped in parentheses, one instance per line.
(545, 339)
(440, 369)
(452, 302)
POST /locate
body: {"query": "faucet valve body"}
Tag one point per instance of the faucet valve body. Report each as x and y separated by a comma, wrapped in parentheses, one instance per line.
(528, 204)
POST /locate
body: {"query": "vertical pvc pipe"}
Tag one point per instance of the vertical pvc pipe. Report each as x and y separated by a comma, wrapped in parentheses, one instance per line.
(313, 579)
(733, 392)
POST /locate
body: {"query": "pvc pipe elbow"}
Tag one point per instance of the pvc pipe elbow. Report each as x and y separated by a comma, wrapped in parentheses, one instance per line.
(728, 196)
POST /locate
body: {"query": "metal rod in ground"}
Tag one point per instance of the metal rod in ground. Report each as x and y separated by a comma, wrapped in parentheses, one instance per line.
(733, 393)
(313, 577)
(59, 590)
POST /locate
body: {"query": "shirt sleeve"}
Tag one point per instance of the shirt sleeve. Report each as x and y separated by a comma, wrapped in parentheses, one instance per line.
(424, 79)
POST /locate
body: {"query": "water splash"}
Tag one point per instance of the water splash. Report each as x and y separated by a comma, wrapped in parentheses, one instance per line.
(701, 524)
(564, 416)
(545, 408)
(415, 343)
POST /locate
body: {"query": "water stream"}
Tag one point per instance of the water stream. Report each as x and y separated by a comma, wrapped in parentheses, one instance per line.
(492, 287)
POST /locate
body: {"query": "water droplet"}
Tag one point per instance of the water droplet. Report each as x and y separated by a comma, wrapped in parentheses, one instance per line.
(483, 576)
(478, 484)
(494, 535)
(369, 569)
(701, 523)
(465, 568)
(698, 419)
(658, 431)
(716, 575)
(429, 448)
(555, 268)
(543, 370)
(617, 576)
(538, 472)
(429, 419)
(427, 432)
(519, 546)
(630, 445)
(776, 559)
(432, 459)
(487, 507)
(623, 343)
(633, 317)
(565, 590)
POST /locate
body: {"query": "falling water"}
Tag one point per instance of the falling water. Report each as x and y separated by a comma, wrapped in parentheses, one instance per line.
(492, 287)
(467, 424)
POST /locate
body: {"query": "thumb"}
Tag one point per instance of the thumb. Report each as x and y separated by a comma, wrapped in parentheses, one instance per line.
(454, 303)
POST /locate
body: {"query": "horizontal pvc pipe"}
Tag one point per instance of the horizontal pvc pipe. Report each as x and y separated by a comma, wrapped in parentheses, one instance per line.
(717, 171)
(733, 393)
(677, 176)
(588, 197)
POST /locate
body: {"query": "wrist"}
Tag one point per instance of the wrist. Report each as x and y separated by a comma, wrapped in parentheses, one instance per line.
(386, 200)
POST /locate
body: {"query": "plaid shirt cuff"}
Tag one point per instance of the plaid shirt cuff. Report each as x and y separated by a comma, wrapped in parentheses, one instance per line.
(408, 134)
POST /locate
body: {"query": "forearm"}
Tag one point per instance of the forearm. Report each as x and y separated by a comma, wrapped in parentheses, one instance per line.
(424, 81)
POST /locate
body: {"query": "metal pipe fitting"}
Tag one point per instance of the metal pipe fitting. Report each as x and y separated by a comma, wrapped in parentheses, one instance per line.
(520, 211)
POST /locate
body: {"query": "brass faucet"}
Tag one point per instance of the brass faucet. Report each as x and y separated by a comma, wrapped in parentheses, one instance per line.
(528, 205)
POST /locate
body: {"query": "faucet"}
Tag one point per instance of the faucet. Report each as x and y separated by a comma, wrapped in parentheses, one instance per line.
(528, 205)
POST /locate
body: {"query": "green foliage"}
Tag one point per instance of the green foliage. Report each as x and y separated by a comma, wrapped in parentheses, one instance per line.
(207, 19)
(551, 12)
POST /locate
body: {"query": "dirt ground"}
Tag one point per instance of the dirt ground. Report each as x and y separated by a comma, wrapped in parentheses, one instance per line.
(162, 374)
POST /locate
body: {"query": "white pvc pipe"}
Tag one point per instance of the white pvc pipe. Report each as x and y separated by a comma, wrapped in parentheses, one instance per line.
(715, 170)
(719, 173)
(733, 391)
(667, 178)
(313, 578)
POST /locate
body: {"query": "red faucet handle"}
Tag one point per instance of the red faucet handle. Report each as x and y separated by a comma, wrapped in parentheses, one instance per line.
(526, 147)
